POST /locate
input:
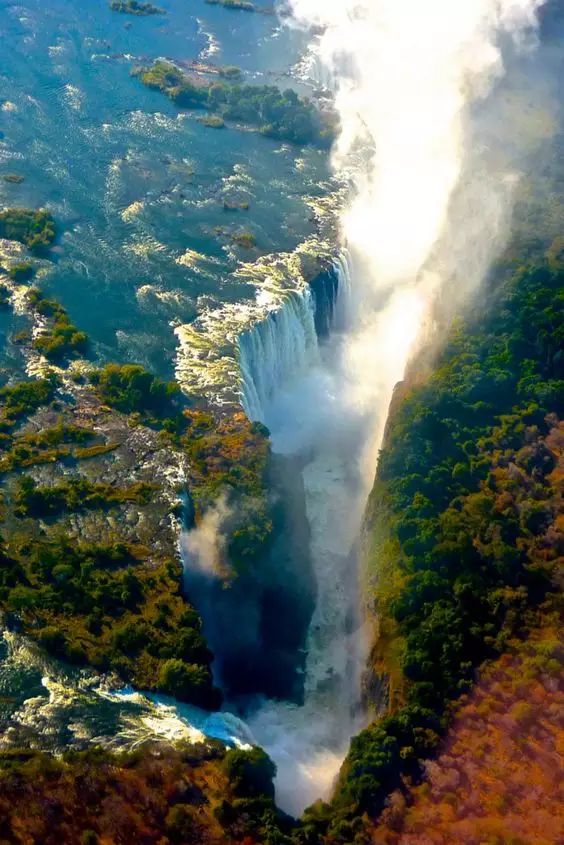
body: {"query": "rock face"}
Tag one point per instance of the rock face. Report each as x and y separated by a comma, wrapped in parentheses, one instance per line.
(256, 618)
(325, 287)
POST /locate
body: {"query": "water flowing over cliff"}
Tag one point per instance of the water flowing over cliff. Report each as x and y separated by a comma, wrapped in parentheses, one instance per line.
(240, 353)
(308, 741)
(283, 344)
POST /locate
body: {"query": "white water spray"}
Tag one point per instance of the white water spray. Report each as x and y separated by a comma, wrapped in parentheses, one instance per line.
(275, 349)
(406, 77)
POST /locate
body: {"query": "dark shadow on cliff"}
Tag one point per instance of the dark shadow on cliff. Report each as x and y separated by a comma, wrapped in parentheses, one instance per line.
(256, 624)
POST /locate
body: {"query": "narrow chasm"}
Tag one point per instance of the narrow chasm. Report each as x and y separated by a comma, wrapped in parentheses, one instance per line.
(257, 612)
(256, 620)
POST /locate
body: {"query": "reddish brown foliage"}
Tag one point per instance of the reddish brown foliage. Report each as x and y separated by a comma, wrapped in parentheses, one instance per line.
(499, 779)
(152, 797)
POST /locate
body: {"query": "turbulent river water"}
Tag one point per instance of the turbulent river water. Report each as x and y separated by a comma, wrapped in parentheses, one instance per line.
(139, 188)
(147, 265)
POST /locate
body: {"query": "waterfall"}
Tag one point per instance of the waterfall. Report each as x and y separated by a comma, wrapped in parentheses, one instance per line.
(343, 304)
(285, 344)
(321, 74)
(275, 350)
(294, 378)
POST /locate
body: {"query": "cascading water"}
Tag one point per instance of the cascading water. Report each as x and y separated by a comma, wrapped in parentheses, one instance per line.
(277, 349)
(342, 313)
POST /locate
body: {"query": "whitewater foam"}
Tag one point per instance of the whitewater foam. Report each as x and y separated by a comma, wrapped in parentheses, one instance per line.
(277, 348)
(223, 341)
(78, 708)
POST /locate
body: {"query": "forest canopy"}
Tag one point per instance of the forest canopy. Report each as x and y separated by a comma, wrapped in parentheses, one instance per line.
(276, 114)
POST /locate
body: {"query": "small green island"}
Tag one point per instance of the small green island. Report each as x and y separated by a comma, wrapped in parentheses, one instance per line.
(35, 228)
(13, 178)
(282, 115)
(134, 7)
(59, 337)
(213, 121)
(243, 5)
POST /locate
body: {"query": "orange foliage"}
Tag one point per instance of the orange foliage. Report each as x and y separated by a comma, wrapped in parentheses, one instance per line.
(499, 779)
(155, 797)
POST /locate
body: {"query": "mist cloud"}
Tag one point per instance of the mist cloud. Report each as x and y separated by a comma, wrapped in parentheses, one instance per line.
(405, 73)
(203, 548)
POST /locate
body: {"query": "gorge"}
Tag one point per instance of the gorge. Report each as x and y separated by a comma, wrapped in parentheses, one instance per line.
(257, 604)
(408, 116)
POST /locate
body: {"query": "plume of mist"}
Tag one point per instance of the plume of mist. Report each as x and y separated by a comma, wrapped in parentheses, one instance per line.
(203, 548)
(404, 74)
(432, 144)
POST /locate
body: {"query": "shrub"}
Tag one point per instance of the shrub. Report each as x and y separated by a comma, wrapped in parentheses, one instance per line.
(250, 772)
(23, 398)
(135, 7)
(35, 229)
(179, 823)
(130, 388)
(184, 680)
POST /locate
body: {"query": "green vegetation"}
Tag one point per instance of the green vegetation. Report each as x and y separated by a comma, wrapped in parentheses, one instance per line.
(22, 399)
(183, 679)
(85, 452)
(499, 765)
(35, 229)
(114, 603)
(117, 603)
(101, 588)
(276, 114)
(230, 457)
(243, 5)
(134, 7)
(155, 795)
(130, 388)
(102, 604)
(61, 338)
(21, 272)
(250, 772)
(45, 446)
(75, 494)
(466, 483)
(13, 178)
